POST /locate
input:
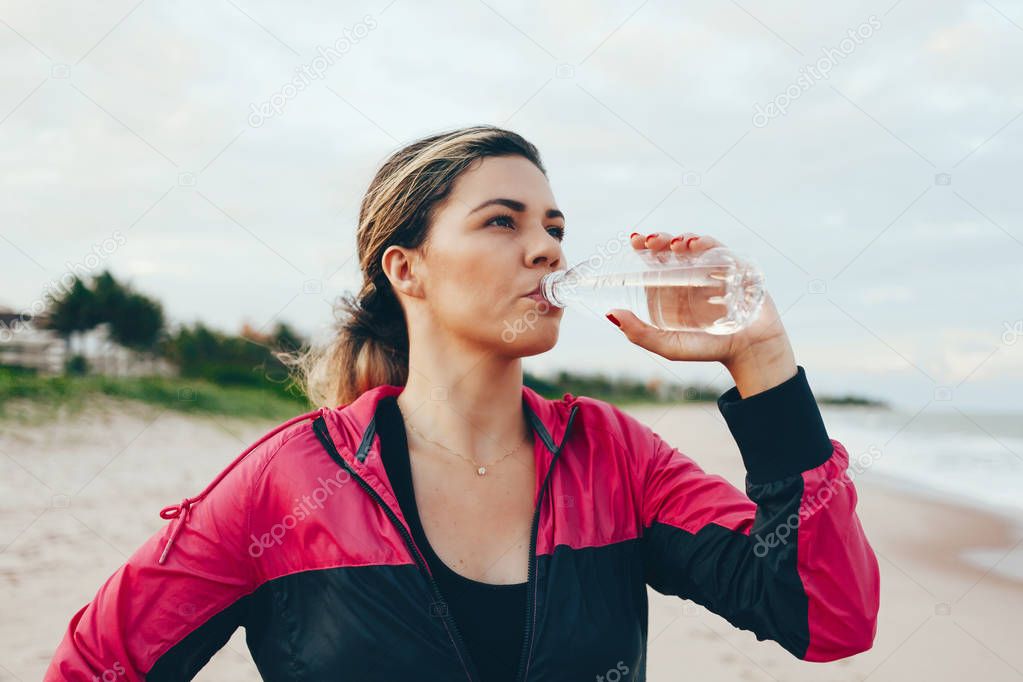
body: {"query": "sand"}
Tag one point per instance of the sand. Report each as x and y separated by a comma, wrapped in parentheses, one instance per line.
(78, 494)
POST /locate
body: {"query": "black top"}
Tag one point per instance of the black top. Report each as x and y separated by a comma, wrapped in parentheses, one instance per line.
(491, 618)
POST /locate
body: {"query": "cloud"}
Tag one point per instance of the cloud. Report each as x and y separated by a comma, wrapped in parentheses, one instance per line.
(837, 182)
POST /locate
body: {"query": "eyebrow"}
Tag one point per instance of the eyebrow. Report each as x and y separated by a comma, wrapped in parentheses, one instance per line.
(516, 206)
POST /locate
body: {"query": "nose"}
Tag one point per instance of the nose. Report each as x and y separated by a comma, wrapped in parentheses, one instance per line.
(543, 248)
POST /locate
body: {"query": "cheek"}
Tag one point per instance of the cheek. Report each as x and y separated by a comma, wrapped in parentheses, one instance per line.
(470, 291)
(474, 276)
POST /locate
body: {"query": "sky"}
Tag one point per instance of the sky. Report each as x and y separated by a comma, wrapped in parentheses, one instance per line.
(865, 155)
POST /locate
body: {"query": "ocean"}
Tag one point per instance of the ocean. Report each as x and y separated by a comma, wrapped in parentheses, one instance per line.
(969, 458)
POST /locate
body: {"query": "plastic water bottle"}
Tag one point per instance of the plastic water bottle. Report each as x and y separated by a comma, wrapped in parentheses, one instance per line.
(713, 291)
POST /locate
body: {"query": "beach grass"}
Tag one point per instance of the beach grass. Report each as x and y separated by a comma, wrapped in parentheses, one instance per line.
(25, 397)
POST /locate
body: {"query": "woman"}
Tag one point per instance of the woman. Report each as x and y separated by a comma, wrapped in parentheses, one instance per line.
(502, 536)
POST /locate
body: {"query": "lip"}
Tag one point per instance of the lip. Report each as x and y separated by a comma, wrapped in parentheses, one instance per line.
(534, 294)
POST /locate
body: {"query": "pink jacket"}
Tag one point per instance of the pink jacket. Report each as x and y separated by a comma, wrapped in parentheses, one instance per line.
(301, 541)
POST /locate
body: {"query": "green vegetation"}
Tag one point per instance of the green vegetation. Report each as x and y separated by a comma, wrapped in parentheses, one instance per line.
(135, 321)
(253, 395)
(76, 393)
(619, 391)
(849, 399)
(238, 375)
(247, 360)
(235, 375)
(630, 391)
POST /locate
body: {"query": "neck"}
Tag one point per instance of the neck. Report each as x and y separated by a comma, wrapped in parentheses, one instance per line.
(470, 402)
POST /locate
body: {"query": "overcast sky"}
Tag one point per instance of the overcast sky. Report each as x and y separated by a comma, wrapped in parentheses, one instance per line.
(883, 203)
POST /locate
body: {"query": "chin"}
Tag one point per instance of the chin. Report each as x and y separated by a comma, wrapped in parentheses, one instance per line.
(534, 347)
(530, 334)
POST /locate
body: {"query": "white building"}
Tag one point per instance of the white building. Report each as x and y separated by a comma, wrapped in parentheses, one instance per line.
(23, 344)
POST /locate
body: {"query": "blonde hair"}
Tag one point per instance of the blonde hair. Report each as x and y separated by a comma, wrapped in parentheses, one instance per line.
(369, 346)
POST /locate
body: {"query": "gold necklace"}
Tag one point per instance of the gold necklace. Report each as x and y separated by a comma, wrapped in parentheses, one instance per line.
(481, 469)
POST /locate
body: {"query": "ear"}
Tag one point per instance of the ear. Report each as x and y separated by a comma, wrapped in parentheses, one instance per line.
(402, 267)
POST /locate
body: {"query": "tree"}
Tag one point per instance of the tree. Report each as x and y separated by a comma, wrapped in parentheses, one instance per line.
(135, 321)
(284, 338)
(73, 312)
(138, 322)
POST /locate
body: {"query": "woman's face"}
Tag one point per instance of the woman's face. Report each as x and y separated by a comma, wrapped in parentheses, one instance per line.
(492, 239)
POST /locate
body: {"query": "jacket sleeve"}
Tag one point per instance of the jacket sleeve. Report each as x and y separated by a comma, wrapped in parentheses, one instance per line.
(163, 621)
(788, 560)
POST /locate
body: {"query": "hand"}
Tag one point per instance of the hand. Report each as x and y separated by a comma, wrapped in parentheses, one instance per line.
(758, 356)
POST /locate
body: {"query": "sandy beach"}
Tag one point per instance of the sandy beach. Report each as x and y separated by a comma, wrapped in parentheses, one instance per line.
(78, 495)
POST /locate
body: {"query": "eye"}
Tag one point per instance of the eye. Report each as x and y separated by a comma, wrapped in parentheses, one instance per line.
(503, 217)
(555, 231)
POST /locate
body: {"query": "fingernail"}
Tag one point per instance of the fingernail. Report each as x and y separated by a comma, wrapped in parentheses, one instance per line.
(633, 235)
(614, 319)
(675, 239)
(690, 240)
(650, 236)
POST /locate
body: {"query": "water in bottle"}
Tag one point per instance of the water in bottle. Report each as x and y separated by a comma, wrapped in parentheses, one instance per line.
(714, 291)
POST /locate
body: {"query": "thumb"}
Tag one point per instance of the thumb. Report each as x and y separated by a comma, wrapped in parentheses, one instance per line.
(636, 330)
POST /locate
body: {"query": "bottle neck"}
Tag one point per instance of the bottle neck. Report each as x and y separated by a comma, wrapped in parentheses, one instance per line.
(549, 288)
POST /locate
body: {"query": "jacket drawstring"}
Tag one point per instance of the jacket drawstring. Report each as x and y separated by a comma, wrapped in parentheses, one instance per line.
(171, 512)
(180, 511)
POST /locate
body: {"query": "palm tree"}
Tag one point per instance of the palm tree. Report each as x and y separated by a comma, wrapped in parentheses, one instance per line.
(72, 313)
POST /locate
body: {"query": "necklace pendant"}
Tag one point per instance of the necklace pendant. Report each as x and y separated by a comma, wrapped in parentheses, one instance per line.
(482, 471)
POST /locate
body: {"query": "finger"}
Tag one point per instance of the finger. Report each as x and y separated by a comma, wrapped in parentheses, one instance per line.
(688, 242)
(657, 241)
(678, 243)
(697, 243)
(642, 244)
(639, 332)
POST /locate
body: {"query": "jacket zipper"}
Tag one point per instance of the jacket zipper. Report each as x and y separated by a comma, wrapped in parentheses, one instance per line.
(527, 644)
(320, 427)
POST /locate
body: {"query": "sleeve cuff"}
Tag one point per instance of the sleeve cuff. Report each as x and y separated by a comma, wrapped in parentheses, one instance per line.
(780, 431)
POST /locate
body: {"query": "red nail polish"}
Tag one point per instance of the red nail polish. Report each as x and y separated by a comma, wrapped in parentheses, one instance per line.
(650, 236)
(675, 239)
(689, 241)
(614, 319)
(633, 235)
